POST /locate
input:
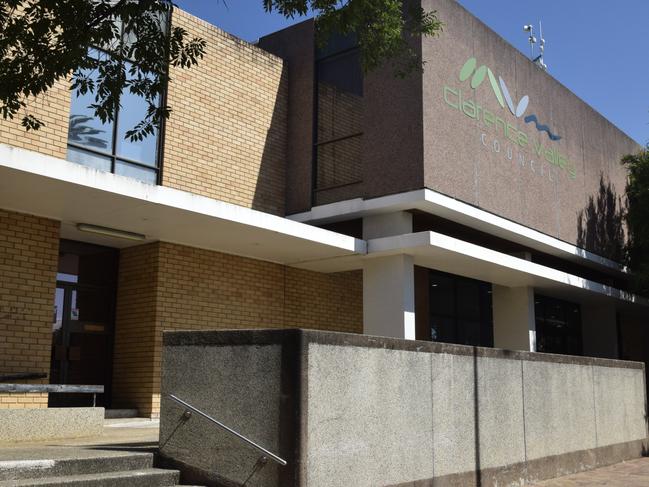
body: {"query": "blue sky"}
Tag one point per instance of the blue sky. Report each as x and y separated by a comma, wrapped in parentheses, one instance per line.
(599, 50)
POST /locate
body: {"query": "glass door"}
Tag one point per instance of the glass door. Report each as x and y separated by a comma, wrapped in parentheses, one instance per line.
(82, 325)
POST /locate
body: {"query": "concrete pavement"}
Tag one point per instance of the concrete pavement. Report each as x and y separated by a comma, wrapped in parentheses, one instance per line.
(634, 473)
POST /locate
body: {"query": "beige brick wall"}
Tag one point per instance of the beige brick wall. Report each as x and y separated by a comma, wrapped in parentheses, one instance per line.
(227, 135)
(135, 321)
(53, 109)
(28, 262)
(200, 289)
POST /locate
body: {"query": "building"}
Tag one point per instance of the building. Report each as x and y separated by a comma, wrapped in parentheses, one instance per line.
(477, 202)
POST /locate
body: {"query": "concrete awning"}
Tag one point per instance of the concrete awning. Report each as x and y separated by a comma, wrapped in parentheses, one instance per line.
(435, 203)
(71, 193)
(441, 252)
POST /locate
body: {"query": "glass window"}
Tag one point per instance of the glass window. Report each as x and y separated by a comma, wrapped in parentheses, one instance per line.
(133, 109)
(558, 326)
(145, 174)
(339, 107)
(460, 310)
(89, 158)
(104, 146)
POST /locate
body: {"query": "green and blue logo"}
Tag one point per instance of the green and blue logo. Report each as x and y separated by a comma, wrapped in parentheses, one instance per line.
(501, 91)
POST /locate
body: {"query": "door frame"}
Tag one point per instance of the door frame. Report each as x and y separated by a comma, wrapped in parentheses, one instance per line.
(67, 329)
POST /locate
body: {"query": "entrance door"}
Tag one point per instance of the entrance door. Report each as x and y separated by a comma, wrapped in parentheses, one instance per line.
(82, 328)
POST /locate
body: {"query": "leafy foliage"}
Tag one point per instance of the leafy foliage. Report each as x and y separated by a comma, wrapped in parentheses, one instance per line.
(637, 218)
(600, 226)
(43, 41)
(385, 29)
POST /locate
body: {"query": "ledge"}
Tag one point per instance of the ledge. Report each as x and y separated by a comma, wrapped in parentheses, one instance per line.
(49, 187)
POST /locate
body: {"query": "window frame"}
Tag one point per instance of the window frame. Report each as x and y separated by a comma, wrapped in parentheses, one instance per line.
(114, 157)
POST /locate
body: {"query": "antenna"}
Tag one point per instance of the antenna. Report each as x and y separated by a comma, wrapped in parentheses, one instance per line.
(538, 60)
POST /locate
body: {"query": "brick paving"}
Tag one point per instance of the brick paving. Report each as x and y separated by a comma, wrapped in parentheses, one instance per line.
(634, 473)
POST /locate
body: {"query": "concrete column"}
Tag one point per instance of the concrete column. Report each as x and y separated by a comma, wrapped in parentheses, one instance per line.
(514, 320)
(386, 225)
(599, 330)
(389, 297)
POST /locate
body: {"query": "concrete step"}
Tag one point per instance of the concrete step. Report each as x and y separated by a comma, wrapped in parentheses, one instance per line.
(150, 477)
(120, 413)
(41, 463)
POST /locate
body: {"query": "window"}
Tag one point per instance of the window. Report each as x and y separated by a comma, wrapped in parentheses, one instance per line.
(338, 115)
(558, 326)
(460, 310)
(103, 145)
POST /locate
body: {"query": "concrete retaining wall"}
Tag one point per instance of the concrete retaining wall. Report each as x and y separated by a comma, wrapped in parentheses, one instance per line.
(22, 425)
(365, 411)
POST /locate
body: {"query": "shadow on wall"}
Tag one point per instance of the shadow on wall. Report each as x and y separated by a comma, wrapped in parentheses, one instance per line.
(600, 226)
(270, 189)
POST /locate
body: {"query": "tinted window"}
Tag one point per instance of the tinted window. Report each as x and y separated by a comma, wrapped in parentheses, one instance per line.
(460, 310)
(558, 326)
(339, 119)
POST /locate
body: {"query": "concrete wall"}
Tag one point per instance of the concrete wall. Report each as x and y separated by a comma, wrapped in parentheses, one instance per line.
(366, 411)
(26, 425)
(296, 45)
(414, 138)
(473, 160)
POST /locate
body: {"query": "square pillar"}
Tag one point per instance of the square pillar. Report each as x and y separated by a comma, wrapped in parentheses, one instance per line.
(514, 319)
(389, 297)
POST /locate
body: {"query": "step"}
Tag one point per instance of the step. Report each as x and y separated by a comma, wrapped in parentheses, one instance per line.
(43, 462)
(120, 413)
(150, 477)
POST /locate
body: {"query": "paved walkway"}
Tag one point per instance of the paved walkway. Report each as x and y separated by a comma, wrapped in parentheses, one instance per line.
(634, 473)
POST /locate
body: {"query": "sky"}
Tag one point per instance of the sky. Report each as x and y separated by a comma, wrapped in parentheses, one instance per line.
(597, 49)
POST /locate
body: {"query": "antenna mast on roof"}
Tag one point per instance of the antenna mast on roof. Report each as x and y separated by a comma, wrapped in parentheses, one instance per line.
(538, 60)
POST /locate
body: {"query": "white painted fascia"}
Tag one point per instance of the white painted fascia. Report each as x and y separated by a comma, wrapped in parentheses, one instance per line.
(457, 211)
(423, 242)
(58, 169)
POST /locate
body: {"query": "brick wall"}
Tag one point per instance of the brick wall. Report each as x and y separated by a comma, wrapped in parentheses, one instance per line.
(135, 321)
(53, 109)
(28, 261)
(226, 137)
(200, 289)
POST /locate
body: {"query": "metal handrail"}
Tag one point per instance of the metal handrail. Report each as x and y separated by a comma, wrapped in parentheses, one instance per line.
(270, 455)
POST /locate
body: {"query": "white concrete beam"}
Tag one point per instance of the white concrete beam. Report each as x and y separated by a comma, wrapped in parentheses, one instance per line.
(387, 224)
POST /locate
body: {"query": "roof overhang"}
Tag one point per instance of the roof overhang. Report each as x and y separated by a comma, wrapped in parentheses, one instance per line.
(49, 187)
(457, 211)
(441, 252)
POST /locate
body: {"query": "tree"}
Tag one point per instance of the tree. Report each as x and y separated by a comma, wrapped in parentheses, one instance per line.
(637, 218)
(43, 41)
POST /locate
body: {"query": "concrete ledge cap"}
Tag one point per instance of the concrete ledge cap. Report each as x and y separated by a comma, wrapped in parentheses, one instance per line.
(277, 336)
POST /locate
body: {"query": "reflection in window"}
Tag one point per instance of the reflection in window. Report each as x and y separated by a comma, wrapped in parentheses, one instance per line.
(339, 111)
(460, 310)
(103, 146)
(558, 326)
